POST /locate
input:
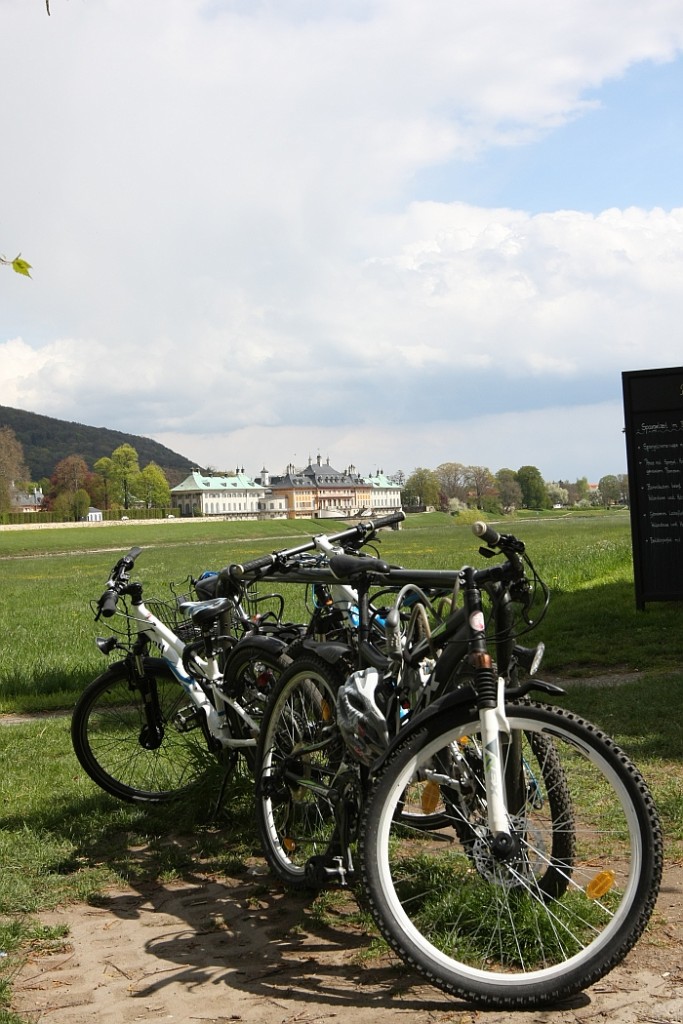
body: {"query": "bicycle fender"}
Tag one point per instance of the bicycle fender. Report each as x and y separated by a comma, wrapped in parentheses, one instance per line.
(329, 650)
(151, 665)
(268, 643)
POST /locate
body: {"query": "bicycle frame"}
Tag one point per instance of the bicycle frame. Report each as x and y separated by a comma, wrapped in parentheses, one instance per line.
(489, 689)
(177, 654)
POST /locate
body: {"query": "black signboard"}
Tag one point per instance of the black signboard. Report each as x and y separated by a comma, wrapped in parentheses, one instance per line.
(653, 405)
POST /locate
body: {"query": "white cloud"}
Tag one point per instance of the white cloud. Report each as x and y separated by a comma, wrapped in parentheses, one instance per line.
(215, 199)
(589, 437)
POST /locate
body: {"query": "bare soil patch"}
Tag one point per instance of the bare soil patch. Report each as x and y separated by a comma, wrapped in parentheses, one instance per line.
(218, 949)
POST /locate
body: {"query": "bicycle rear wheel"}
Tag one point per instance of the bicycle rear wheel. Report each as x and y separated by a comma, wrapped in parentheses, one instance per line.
(251, 671)
(557, 914)
(140, 755)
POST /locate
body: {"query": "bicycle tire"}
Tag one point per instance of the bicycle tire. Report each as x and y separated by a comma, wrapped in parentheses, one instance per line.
(251, 673)
(456, 915)
(110, 736)
(300, 754)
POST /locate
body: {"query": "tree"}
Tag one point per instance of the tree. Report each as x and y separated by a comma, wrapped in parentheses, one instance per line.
(125, 470)
(422, 488)
(70, 488)
(152, 487)
(534, 493)
(482, 482)
(623, 484)
(104, 478)
(610, 490)
(577, 491)
(72, 505)
(557, 495)
(71, 474)
(453, 479)
(509, 491)
(81, 504)
(12, 468)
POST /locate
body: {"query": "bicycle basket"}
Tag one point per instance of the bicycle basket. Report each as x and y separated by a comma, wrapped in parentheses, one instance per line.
(172, 617)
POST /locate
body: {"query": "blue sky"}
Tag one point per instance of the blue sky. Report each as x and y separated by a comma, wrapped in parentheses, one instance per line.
(625, 151)
(395, 234)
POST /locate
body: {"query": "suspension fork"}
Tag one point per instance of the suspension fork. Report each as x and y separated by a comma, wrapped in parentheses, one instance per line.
(490, 691)
(152, 732)
(515, 785)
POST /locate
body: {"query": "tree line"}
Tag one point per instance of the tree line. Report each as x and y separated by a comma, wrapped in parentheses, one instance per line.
(453, 486)
(114, 482)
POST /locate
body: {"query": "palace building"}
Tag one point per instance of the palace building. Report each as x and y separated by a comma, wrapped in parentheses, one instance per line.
(319, 491)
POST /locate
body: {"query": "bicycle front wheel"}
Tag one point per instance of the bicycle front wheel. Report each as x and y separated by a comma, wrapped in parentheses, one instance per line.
(139, 739)
(301, 756)
(553, 916)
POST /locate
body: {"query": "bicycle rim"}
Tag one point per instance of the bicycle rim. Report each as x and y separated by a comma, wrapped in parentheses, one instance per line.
(301, 754)
(552, 919)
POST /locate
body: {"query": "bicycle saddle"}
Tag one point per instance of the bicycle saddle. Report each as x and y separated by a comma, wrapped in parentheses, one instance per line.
(346, 567)
(204, 612)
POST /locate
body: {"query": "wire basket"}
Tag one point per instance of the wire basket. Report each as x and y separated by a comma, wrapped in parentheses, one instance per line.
(172, 617)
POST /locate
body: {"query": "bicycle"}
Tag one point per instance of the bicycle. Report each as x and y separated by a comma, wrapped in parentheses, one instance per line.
(550, 865)
(508, 850)
(148, 728)
(333, 614)
(345, 699)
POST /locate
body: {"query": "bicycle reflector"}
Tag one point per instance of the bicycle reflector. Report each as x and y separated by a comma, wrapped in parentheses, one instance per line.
(600, 885)
(430, 797)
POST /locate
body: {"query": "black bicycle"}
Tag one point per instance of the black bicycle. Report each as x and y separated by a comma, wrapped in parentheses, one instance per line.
(508, 850)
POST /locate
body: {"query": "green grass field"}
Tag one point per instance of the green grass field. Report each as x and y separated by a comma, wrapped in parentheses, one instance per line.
(49, 578)
(63, 840)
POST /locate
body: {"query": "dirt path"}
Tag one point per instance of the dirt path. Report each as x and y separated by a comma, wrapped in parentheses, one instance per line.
(216, 950)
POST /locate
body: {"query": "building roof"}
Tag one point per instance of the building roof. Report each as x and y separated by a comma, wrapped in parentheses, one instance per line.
(381, 480)
(317, 474)
(197, 481)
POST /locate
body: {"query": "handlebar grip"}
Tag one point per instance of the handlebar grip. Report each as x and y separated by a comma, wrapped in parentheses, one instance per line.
(108, 603)
(237, 571)
(486, 533)
(395, 517)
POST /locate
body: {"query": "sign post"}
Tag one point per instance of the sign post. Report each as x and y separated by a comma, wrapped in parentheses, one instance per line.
(653, 407)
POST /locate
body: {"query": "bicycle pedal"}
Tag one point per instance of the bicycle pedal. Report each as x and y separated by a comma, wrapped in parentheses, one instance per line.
(186, 719)
(321, 872)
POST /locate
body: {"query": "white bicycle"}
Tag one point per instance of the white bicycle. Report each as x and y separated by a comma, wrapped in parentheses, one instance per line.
(148, 728)
(193, 681)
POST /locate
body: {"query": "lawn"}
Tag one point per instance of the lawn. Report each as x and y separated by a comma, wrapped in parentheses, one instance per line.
(49, 578)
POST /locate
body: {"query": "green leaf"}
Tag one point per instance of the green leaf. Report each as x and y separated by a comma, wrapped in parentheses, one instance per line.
(21, 266)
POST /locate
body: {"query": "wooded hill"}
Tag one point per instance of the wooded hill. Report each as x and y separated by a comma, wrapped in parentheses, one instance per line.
(46, 441)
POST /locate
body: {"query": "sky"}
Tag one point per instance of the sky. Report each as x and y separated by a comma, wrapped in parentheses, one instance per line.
(391, 233)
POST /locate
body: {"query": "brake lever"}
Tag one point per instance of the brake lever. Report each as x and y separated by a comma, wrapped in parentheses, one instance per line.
(521, 592)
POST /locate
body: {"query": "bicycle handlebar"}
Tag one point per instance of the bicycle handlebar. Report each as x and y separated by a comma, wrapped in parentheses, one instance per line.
(507, 543)
(118, 577)
(486, 533)
(363, 531)
(263, 562)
